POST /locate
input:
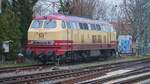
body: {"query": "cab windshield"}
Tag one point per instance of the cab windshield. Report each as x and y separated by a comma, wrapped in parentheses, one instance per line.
(50, 24)
(37, 24)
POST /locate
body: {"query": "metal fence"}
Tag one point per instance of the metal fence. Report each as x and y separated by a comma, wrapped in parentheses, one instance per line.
(144, 50)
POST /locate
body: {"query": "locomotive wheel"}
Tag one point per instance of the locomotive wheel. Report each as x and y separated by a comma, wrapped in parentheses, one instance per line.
(85, 56)
(43, 58)
(68, 57)
(75, 57)
(60, 60)
(104, 54)
(50, 55)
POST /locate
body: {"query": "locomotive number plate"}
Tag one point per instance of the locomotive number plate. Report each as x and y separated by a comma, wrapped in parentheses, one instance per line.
(41, 35)
(43, 42)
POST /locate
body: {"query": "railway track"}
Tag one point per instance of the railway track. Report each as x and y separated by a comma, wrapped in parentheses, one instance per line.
(36, 66)
(22, 68)
(134, 77)
(99, 74)
(12, 69)
(130, 77)
(71, 76)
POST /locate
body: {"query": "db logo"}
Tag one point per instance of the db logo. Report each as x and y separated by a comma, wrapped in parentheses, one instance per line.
(41, 35)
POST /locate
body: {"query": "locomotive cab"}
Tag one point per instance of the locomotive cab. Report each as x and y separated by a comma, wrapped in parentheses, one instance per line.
(40, 29)
(42, 36)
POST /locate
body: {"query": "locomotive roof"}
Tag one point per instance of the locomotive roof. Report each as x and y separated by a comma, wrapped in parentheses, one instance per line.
(66, 18)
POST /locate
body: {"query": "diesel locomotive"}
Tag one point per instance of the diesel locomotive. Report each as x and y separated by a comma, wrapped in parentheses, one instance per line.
(67, 38)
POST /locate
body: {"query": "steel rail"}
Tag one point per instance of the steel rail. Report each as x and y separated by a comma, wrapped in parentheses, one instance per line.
(56, 75)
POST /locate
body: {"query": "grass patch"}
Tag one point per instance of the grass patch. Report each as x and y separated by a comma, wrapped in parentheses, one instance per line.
(13, 64)
(113, 60)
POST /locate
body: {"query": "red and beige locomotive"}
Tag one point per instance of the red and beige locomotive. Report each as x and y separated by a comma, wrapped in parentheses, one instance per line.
(58, 36)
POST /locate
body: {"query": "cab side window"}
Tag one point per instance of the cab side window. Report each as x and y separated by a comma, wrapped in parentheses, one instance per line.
(74, 25)
(81, 26)
(93, 26)
(63, 24)
(98, 27)
(86, 26)
(77, 25)
(89, 27)
(68, 25)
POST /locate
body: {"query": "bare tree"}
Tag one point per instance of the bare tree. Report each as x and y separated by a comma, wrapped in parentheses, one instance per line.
(114, 13)
(37, 10)
(84, 8)
(46, 7)
(119, 21)
(134, 13)
(101, 10)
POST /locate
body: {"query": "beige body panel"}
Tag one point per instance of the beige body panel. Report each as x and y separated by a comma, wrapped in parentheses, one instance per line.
(77, 35)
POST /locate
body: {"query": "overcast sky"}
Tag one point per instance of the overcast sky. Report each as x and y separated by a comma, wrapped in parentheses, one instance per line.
(113, 3)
